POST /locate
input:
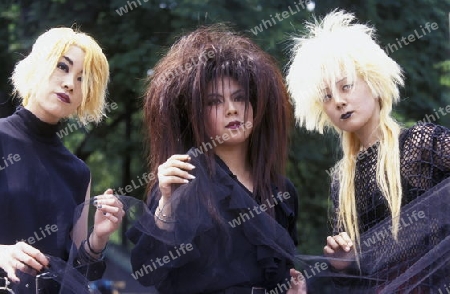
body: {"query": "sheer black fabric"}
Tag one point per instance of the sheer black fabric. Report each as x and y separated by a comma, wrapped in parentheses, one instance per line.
(218, 237)
(41, 184)
(418, 261)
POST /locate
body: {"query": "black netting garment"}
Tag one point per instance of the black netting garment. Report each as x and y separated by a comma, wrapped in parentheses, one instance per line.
(242, 247)
(419, 261)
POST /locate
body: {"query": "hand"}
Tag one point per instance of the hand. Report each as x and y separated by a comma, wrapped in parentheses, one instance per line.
(23, 257)
(174, 171)
(298, 283)
(107, 219)
(339, 246)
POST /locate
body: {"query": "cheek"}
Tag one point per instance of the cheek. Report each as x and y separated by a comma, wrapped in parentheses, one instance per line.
(329, 111)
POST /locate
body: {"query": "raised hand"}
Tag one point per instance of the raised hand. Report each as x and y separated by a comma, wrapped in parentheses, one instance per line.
(107, 219)
(174, 171)
(339, 246)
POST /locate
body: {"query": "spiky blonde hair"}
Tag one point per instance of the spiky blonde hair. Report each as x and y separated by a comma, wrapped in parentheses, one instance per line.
(36, 69)
(332, 48)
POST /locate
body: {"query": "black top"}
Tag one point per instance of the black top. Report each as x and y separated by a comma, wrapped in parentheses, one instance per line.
(241, 246)
(424, 163)
(41, 183)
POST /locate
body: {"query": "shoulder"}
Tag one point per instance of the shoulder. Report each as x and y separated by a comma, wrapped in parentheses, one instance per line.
(6, 127)
(423, 134)
(82, 166)
(289, 187)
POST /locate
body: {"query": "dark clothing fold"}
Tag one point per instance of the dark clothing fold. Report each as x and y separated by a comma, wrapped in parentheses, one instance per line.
(232, 239)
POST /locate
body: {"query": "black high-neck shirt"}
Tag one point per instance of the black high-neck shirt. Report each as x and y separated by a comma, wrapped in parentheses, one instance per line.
(41, 183)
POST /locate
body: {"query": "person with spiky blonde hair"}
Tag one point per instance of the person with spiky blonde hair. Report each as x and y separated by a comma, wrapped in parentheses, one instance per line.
(41, 181)
(340, 78)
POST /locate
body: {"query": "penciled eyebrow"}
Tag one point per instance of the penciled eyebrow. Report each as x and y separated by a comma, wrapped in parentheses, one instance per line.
(68, 60)
(340, 80)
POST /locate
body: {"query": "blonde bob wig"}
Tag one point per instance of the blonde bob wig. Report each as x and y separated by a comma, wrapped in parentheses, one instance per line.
(334, 48)
(36, 69)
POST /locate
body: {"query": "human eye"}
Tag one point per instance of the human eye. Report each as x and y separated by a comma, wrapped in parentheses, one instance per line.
(327, 97)
(347, 87)
(239, 98)
(214, 101)
(63, 66)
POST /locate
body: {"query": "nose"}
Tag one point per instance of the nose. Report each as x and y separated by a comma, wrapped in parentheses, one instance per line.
(68, 82)
(339, 101)
(231, 108)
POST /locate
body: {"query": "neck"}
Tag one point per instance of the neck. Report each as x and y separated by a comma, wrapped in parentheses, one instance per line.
(370, 139)
(236, 158)
(41, 114)
(371, 132)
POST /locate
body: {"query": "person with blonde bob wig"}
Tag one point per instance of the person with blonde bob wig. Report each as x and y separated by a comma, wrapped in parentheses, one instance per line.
(41, 182)
(340, 78)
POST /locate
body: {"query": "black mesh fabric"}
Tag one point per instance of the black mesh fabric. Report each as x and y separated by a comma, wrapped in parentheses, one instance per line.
(418, 262)
(198, 253)
(256, 252)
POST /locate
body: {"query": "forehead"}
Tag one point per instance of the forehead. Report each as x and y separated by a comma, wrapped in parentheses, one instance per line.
(74, 55)
(221, 83)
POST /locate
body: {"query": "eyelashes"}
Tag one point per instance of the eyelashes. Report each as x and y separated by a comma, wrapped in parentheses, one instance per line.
(344, 89)
(217, 101)
(65, 68)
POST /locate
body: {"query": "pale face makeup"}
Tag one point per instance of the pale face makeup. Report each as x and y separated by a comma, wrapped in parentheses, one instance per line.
(62, 95)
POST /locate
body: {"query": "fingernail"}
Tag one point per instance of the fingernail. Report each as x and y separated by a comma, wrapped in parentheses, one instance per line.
(95, 202)
(185, 181)
(191, 177)
(191, 166)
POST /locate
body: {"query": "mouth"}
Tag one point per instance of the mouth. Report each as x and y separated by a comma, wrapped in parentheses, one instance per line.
(233, 125)
(63, 97)
(347, 115)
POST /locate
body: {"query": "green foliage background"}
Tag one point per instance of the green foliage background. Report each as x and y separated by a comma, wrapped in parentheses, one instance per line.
(136, 40)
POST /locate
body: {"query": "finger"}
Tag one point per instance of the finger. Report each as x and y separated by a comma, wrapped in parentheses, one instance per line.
(109, 209)
(32, 256)
(108, 191)
(168, 180)
(29, 270)
(346, 238)
(327, 250)
(182, 157)
(110, 200)
(296, 278)
(332, 243)
(185, 165)
(175, 171)
(110, 216)
(342, 243)
(11, 273)
(111, 203)
(110, 197)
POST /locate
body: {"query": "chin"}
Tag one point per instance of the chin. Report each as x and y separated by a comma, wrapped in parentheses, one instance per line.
(349, 127)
